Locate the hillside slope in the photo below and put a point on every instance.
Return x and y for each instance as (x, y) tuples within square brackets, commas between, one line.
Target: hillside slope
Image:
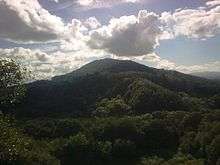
[(78, 92)]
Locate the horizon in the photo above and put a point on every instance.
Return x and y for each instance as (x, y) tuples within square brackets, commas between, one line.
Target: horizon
[(205, 75), (55, 37)]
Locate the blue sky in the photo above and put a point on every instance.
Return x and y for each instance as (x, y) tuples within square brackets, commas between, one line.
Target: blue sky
[(189, 52), (54, 37)]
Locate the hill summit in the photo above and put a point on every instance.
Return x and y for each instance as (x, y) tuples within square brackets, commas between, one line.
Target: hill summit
[(106, 65)]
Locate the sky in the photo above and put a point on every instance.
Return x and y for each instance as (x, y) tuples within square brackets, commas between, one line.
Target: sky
[(54, 37)]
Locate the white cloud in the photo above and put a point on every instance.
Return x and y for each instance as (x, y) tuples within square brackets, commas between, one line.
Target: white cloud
[(198, 23), (152, 58), (43, 65), (27, 21), (103, 3), (212, 3), (160, 63), (85, 2), (76, 35), (46, 65), (128, 35), (92, 23), (210, 66), (156, 61), (140, 35), (57, 1)]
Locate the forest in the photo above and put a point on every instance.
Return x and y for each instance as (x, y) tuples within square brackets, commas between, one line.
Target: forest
[(109, 112)]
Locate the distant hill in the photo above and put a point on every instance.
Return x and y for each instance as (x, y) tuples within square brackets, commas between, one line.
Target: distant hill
[(208, 75), (77, 92)]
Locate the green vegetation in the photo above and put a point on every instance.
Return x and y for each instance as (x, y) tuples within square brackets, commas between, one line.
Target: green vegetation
[(11, 83), (112, 107), (157, 138), (142, 88), (126, 114)]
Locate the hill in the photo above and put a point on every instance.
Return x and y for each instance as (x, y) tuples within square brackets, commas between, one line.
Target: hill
[(114, 112), (208, 75), (78, 92)]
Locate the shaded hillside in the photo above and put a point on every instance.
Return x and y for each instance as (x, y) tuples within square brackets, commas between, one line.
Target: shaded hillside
[(78, 92), (172, 80)]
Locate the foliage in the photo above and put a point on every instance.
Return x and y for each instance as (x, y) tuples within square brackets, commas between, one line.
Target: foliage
[(214, 101), (176, 160), (112, 107), (160, 138), (17, 148), (52, 128), (145, 96), (11, 83)]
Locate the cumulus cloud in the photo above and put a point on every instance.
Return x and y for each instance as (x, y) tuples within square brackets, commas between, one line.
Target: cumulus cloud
[(27, 21), (92, 23), (76, 34), (198, 23), (156, 61), (139, 35), (152, 58), (43, 65), (213, 3), (128, 35)]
